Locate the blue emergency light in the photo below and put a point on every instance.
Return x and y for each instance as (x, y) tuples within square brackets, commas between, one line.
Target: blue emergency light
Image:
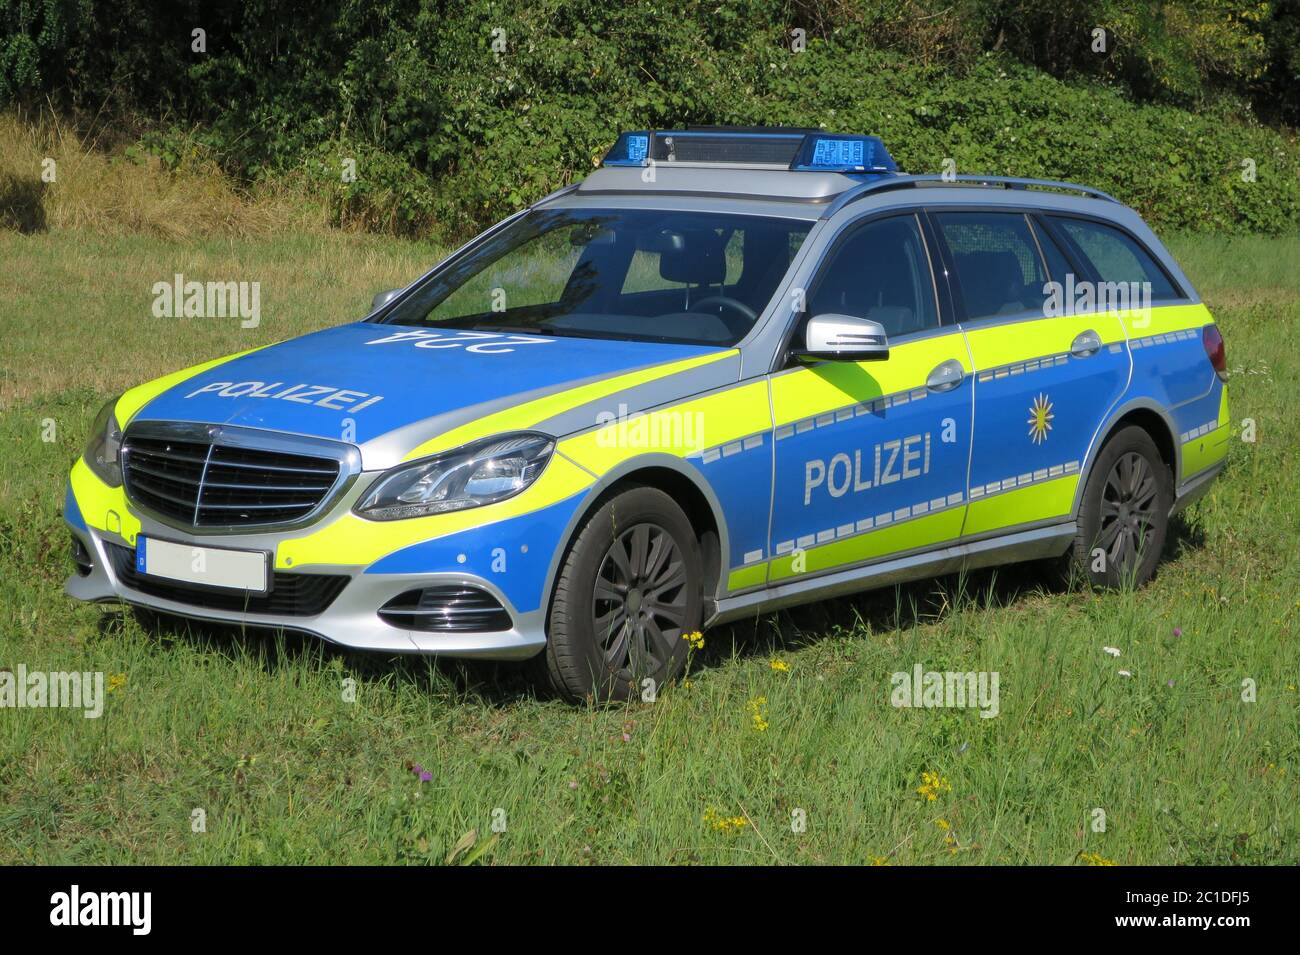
[(800, 150)]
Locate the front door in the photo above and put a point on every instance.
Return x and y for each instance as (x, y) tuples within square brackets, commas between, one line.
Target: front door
[(871, 457)]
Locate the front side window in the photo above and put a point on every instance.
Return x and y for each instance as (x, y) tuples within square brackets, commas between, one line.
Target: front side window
[(633, 274), (880, 271), (996, 260)]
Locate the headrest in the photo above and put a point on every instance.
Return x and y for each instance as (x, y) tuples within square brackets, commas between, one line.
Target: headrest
[(693, 256), (991, 282)]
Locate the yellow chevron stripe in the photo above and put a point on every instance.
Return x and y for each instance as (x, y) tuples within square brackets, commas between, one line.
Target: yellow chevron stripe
[(744, 577), (891, 539), (995, 345), (1205, 451), (136, 398), (679, 430), (1167, 318), (530, 413), (354, 540), (811, 391), (102, 507), (1036, 502)]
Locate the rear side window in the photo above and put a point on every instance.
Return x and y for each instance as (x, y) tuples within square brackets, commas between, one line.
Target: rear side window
[(997, 262), (1116, 256)]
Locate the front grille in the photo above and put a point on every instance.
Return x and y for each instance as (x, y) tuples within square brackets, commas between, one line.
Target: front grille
[(216, 485), (446, 609), (291, 595)]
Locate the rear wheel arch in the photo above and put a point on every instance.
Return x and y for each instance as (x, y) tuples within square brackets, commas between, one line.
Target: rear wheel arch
[(1150, 419), (1158, 428)]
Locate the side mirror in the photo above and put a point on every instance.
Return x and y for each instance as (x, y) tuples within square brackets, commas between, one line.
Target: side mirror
[(832, 337), (383, 298)]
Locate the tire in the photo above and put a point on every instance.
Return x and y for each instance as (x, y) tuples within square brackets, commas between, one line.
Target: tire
[(605, 583), (1124, 512)]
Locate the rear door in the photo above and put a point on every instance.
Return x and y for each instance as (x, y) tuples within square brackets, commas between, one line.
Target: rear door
[(1046, 374), (1165, 331), (871, 457)]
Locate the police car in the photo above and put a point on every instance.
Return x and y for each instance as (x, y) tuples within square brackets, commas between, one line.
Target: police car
[(730, 371)]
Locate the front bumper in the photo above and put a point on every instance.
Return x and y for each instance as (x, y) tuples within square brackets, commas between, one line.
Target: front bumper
[(509, 550), (351, 619)]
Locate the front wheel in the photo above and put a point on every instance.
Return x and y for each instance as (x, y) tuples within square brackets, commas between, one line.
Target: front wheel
[(1124, 515), (630, 588)]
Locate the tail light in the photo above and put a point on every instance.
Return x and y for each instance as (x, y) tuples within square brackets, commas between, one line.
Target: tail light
[(1213, 343)]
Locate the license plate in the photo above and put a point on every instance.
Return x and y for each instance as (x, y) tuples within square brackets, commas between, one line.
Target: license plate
[(206, 566)]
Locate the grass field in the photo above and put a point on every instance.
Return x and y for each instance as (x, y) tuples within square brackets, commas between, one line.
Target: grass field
[(254, 731)]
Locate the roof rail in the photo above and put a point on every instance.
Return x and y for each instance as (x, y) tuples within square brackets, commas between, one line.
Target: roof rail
[(886, 183)]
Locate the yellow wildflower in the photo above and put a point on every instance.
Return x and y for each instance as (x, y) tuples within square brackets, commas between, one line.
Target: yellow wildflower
[(695, 639), (932, 784), (721, 823)]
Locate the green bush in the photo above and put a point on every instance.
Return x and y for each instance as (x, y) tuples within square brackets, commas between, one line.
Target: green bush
[(449, 132), (372, 190)]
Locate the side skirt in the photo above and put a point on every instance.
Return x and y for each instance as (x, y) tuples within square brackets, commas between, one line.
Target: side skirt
[(1041, 542), (1195, 487)]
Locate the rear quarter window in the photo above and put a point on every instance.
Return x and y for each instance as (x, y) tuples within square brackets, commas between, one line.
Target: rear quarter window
[(1117, 256)]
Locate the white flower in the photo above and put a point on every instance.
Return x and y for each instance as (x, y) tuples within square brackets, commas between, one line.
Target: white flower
[(1113, 651), (1125, 673)]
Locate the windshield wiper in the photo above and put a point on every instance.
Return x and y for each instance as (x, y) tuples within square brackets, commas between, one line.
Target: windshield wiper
[(530, 330)]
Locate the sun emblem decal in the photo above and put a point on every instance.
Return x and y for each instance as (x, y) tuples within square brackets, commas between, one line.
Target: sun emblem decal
[(1040, 419)]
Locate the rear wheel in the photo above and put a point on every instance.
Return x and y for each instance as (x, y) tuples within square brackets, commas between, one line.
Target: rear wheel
[(630, 587), (1124, 515)]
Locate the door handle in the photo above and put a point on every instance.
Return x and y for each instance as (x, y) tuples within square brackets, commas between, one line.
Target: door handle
[(1085, 344), (946, 376)]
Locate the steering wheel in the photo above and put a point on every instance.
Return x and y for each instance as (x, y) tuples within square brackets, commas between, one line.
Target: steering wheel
[(735, 305)]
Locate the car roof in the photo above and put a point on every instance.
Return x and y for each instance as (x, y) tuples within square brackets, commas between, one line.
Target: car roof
[(811, 196)]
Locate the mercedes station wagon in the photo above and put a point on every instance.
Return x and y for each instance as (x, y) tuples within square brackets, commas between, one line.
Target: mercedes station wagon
[(731, 371)]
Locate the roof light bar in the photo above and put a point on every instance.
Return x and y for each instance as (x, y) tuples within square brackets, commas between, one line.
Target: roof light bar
[(795, 149)]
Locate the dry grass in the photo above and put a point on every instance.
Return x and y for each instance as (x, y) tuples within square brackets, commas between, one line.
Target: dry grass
[(76, 291), (119, 191)]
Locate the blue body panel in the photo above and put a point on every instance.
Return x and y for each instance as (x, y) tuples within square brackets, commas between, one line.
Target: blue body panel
[(1079, 393), (315, 384), (1199, 411), (72, 510), (742, 482), (514, 554), (1172, 368), (884, 460)]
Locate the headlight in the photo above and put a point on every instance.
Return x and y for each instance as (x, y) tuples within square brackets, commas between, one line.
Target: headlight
[(481, 473), (102, 450)]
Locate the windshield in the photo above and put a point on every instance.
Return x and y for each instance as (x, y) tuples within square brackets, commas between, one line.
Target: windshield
[(633, 274)]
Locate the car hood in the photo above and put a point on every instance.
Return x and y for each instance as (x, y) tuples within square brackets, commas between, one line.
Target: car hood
[(361, 381)]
